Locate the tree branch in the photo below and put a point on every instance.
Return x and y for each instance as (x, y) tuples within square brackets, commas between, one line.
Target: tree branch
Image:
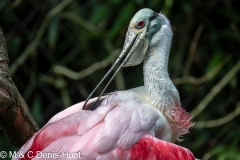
[(77, 19), (16, 121), (192, 49), (32, 46), (220, 121), (212, 73), (215, 90), (79, 75)]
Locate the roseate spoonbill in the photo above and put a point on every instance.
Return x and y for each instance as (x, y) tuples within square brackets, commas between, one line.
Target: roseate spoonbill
[(139, 123)]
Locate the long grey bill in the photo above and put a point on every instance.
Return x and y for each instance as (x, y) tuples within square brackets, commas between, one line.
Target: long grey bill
[(122, 64), (130, 36)]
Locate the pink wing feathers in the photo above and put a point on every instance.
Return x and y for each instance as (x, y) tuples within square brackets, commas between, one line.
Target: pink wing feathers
[(151, 148), (115, 130)]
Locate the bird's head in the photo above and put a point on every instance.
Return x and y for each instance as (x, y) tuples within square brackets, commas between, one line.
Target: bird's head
[(145, 23), (139, 38), (142, 27)]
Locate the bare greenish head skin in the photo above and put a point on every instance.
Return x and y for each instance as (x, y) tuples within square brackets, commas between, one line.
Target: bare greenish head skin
[(143, 26), (151, 22), (143, 14)]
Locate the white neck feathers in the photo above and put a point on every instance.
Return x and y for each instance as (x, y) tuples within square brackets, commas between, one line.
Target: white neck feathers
[(160, 90)]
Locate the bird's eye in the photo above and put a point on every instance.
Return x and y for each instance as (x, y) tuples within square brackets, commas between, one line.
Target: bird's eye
[(140, 23)]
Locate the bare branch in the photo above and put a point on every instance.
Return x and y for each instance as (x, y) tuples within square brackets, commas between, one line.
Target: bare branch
[(204, 78), (120, 83), (16, 121), (79, 75), (80, 21), (60, 84), (32, 46), (215, 90), (220, 121), (192, 49)]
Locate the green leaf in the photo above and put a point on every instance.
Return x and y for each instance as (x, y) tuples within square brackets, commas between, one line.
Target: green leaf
[(36, 108), (14, 45), (53, 32), (101, 13), (123, 17), (167, 7), (215, 59), (233, 82)]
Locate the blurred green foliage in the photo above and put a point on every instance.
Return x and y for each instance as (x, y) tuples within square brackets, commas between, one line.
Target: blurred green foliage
[(84, 32)]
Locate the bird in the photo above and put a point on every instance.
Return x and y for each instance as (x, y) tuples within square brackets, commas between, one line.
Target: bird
[(136, 124)]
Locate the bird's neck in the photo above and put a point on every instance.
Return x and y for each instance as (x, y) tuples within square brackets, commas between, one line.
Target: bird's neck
[(160, 90)]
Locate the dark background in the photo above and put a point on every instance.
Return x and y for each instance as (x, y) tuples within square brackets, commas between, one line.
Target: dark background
[(43, 36)]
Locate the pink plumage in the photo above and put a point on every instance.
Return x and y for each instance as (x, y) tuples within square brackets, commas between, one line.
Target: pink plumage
[(151, 148), (141, 123), (117, 129)]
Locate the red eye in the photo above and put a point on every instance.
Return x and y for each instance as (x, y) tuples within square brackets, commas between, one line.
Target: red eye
[(140, 23)]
